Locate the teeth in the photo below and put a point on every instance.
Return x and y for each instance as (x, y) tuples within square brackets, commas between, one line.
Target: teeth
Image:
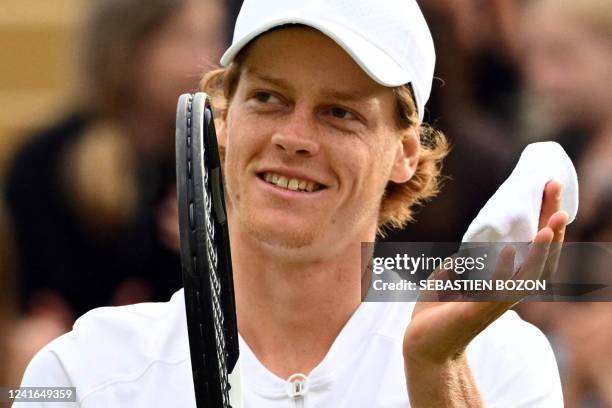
[(290, 184), (293, 184), (282, 182)]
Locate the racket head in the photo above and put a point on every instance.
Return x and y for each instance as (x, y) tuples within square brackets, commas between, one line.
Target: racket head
[(205, 252)]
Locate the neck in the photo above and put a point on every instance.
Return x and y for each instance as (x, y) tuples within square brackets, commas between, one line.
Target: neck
[(290, 312)]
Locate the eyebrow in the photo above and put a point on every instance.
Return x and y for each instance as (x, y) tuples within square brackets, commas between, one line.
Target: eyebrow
[(262, 77), (352, 95), (342, 95)]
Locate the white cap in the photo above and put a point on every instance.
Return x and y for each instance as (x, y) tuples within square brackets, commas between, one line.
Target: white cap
[(389, 39)]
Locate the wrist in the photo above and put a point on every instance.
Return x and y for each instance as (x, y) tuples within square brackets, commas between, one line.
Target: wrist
[(434, 356), (446, 383), (428, 366)]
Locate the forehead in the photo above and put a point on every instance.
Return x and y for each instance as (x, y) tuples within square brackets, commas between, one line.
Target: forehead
[(301, 55)]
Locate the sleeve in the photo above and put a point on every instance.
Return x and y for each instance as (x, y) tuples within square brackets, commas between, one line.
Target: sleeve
[(46, 370), (515, 366)]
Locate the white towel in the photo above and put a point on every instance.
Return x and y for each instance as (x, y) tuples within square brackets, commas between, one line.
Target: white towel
[(512, 214)]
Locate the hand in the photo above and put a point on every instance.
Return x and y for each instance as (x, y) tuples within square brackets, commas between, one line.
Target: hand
[(439, 332)]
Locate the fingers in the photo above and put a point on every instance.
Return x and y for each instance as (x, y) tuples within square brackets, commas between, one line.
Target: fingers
[(541, 261), (505, 265), (551, 202), (555, 220), (533, 266), (504, 271), (478, 315), (531, 269), (557, 224)]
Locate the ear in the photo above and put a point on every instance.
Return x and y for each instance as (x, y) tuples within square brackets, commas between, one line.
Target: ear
[(406, 158)]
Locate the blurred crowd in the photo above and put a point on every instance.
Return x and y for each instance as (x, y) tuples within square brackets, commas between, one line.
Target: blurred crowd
[(88, 214)]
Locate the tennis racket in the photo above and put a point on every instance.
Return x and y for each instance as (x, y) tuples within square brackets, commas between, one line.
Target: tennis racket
[(205, 256)]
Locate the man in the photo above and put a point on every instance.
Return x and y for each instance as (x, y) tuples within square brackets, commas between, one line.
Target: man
[(319, 114)]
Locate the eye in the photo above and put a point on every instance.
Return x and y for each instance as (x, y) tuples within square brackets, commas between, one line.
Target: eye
[(265, 97), (341, 113)]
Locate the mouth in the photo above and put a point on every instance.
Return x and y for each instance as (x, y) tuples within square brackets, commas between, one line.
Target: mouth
[(292, 184)]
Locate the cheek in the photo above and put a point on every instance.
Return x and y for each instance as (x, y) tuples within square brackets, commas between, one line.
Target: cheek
[(368, 168), (243, 140)]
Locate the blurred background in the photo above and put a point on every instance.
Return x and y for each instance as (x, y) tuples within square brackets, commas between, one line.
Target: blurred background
[(88, 90)]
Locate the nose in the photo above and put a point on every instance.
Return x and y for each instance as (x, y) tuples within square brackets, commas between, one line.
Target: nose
[(297, 137)]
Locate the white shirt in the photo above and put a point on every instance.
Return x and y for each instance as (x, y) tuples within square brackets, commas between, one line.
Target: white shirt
[(138, 356)]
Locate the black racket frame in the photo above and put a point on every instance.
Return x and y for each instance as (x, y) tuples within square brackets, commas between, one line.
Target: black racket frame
[(204, 235)]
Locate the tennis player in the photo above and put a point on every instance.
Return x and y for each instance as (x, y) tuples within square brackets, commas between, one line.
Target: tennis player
[(320, 109)]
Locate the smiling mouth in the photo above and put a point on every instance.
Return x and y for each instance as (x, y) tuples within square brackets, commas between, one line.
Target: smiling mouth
[(293, 184)]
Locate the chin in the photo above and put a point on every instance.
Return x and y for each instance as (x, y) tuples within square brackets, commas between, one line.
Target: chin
[(281, 235), (278, 228)]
